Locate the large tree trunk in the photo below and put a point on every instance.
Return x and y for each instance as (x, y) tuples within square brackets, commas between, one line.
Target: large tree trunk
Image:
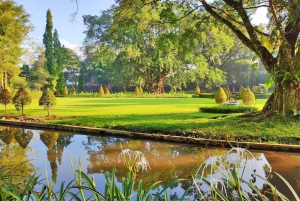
[(286, 95)]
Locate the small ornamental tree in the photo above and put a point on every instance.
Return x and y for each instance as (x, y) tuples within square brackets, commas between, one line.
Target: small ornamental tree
[(241, 91), (227, 91), (137, 91), (5, 98), (248, 97), (221, 96), (21, 99), (141, 89), (101, 91), (66, 91), (106, 91), (47, 100), (73, 90), (197, 90)]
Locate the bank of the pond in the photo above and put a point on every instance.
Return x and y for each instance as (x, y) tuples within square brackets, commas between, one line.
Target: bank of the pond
[(155, 136)]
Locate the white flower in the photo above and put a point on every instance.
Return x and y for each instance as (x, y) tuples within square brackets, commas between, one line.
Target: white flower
[(233, 158)]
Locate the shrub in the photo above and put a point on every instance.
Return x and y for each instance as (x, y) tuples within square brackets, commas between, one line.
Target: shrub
[(197, 90), (21, 99), (101, 91), (207, 95), (262, 96), (257, 89), (5, 98), (47, 100), (241, 91), (227, 109), (66, 91), (227, 91), (73, 90), (106, 90), (141, 90), (221, 96), (248, 97), (137, 91)]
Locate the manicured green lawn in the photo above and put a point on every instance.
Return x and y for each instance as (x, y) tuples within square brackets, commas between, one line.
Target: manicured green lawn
[(163, 115)]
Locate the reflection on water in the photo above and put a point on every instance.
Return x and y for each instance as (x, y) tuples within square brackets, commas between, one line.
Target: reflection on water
[(168, 161)]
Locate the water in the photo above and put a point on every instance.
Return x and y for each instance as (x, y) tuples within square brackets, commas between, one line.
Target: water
[(51, 151)]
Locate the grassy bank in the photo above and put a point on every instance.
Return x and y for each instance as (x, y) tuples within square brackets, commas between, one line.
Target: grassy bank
[(178, 116)]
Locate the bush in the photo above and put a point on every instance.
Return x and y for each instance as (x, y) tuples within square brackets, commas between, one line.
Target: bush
[(73, 90), (197, 90), (141, 90), (206, 95), (228, 109), (241, 91), (21, 99), (221, 96), (137, 91), (262, 96), (101, 91), (106, 91), (66, 91), (227, 91), (248, 97)]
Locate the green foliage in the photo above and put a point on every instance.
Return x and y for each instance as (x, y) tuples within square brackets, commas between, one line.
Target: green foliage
[(101, 91), (248, 97), (242, 90), (227, 91), (197, 90), (207, 95), (66, 91), (60, 85), (257, 89), (14, 28), (73, 90), (228, 109), (81, 80), (47, 100), (141, 90), (5, 98), (21, 98), (220, 96), (137, 91), (106, 91)]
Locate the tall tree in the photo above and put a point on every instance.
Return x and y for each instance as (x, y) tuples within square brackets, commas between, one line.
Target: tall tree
[(275, 44), (157, 52), (58, 52), (81, 78), (14, 27), (48, 43)]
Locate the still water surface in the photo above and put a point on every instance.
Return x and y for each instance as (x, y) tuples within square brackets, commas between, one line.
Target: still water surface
[(168, 161)]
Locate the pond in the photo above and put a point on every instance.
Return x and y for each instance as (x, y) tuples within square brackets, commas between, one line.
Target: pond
[(53, 151)]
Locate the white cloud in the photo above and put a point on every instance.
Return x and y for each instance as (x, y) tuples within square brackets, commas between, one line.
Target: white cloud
[(72, 46), (260, 17)]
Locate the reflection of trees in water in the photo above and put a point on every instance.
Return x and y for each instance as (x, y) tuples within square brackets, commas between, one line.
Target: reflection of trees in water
[(167, 161), (55, 143), (13, 153), (23, 137), (7, 134)]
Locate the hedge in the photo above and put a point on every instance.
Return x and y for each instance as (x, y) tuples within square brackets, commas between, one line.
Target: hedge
[(228, 109)]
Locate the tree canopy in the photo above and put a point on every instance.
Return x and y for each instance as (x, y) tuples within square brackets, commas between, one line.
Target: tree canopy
[(276, 44), (14, 27)]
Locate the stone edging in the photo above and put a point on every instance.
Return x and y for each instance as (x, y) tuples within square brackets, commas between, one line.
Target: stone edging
[(163, 137)]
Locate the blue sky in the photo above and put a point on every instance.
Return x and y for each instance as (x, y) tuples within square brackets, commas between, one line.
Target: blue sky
[(70, 33)]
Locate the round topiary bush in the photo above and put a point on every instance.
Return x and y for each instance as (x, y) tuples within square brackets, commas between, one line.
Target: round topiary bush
[(221, 96), (197, 90), (248, 97)]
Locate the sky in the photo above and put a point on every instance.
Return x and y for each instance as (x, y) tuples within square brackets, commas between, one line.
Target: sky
[(70, 33)]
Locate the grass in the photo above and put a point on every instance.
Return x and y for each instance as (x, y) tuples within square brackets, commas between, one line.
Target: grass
[(166, 115)]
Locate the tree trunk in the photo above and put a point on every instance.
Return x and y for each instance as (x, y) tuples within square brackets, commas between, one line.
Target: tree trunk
[(286, 95)]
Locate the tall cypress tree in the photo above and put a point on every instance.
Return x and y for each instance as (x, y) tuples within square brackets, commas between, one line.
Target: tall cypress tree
[(58, 58), (48, 43)]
